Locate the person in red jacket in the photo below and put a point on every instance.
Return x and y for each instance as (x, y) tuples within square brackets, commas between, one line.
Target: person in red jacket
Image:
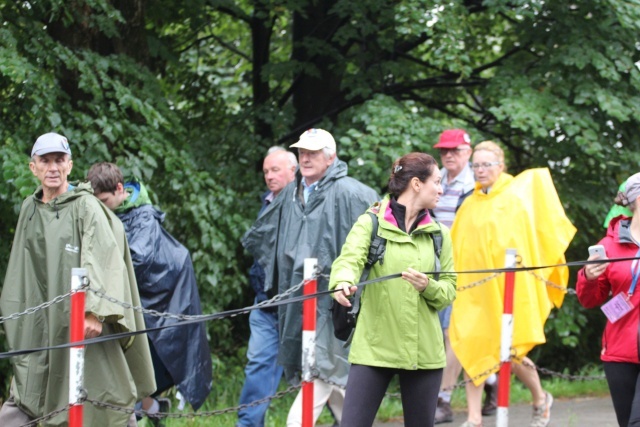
[(616, 282)]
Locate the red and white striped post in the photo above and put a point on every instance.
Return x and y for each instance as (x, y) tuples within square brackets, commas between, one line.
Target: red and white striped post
[(76, 353), (506, 338), (308, 340)]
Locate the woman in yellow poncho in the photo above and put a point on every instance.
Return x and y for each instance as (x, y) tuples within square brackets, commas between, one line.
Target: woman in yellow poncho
[(504, 212)]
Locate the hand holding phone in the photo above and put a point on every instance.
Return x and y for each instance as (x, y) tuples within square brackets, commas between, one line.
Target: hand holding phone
[(593, 271)]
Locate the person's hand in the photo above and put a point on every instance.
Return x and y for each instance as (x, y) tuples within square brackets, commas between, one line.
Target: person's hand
[(92, 326), (420, 281), (342, 295), (593, 271)]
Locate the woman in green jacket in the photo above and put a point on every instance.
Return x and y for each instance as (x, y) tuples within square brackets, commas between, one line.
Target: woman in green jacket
[(398, 331)]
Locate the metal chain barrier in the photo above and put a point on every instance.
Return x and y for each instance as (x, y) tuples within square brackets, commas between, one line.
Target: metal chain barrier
[(478, 282), (166, 315), (569, 291), (551, 373), (46, 304), (159, 415), (35, 422)]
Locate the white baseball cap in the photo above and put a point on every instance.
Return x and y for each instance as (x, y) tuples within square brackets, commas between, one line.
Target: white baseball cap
[(314, 140), (50, 143)]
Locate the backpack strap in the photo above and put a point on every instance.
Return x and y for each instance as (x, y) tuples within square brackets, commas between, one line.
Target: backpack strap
[(436, 237), (377, 248)]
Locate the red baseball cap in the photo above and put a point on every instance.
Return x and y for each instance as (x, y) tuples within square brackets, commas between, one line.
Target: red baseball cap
[(452, 138)]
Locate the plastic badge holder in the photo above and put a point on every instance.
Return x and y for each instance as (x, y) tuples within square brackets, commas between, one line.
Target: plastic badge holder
[(617, 307)]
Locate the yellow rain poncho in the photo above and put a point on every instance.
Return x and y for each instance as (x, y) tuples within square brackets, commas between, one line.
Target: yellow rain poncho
[(523, 213)]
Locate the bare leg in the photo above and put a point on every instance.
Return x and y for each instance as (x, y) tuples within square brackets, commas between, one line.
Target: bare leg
[(474, 401), (527, 373)]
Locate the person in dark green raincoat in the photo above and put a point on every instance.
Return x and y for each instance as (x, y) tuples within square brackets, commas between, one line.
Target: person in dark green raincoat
[(310, 218), (60, 227)]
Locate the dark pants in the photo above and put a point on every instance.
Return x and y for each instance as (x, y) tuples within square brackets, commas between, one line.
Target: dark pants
[(367, 385), (624, 384)]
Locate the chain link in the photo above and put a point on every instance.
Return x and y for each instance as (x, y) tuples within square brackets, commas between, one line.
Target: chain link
[(35, 422), (166, 315), (478, 282), (159, 415), (547, 282), (560, 374), (550, 284), (47, 304)]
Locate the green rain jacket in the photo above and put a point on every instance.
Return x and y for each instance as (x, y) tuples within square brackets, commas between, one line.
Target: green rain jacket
[(288, 232), (73, 230), (397, 327)]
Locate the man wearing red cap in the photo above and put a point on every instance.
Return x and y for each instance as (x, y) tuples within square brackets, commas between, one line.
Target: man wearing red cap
[(457, 176)]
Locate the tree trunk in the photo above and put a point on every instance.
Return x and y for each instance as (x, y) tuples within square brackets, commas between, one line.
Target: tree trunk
[(261, 29), (315, 95)]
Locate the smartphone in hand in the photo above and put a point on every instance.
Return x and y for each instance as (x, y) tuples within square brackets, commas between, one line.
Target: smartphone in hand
[(597, 250)]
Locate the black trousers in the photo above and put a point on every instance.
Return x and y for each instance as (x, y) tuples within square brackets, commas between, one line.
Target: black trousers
[(367, 385), (624, 384)]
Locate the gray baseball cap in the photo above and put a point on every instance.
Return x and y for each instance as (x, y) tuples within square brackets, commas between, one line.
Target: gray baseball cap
[(632, 188), (50, 143)]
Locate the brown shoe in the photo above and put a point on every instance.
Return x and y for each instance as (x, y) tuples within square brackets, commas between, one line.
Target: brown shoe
[(490, 399), (444, 414)]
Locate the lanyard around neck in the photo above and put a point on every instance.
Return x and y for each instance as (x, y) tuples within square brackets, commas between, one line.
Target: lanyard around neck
[(635, 274)]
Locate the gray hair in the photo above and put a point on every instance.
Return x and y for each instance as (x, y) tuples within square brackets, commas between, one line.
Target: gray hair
[(293, 161), (328, 152)]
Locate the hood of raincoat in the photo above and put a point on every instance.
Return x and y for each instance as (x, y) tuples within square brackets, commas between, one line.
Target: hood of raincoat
[(290, 231), (523, 213), (137, 196), (167, 283), (74, 230)]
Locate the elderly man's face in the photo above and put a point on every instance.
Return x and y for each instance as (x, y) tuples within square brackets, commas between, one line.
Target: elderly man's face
[(313, 164), (278, 171), (52, 170)]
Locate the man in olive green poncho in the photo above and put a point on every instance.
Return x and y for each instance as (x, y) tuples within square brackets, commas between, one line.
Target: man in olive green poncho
[(62, 226)]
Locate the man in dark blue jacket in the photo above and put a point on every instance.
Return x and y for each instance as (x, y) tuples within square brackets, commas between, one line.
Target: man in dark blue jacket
[(262, 373)]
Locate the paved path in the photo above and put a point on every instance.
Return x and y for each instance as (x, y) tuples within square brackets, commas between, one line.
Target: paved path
[(578, 412)]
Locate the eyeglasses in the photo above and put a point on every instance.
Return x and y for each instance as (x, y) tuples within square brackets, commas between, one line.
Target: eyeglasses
[(454, 151), (485, 165)]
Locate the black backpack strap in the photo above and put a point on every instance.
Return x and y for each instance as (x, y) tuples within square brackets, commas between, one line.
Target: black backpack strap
[(436, 237), (377, 247)]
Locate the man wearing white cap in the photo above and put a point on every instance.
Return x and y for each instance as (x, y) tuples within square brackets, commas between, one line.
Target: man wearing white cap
[(60, 227), (310, 219)]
